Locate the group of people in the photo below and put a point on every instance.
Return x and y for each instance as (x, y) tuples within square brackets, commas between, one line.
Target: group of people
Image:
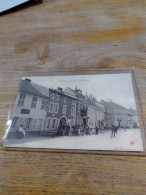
[(64, 129), (80, 130), (76, 130)]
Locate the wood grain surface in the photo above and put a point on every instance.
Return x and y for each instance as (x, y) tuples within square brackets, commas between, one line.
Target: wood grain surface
[(76, 34)]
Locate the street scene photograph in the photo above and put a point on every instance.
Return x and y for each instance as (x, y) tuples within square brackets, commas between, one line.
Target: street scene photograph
[(78, 112)]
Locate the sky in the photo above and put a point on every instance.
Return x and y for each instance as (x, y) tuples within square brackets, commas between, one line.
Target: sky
[(115, 87)]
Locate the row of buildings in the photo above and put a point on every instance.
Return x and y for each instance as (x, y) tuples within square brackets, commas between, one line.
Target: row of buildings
[(41, 109)]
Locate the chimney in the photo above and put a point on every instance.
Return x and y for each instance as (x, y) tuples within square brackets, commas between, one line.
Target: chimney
[(28, 80)]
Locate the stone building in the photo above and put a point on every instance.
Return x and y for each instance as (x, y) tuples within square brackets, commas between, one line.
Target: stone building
[(29, 109), (41, 109), (115, 113), (108, 114), (62, 110), (135, 118), (95, 114), (88, 110), (81, 105)]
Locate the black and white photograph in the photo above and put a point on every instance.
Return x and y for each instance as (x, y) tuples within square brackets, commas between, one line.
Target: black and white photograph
[(77, 112)]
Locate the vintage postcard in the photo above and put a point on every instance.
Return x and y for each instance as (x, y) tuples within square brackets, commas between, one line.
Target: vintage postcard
[(77, 112)]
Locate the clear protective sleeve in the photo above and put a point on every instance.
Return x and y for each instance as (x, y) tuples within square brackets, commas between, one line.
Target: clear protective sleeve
[(81, 111)]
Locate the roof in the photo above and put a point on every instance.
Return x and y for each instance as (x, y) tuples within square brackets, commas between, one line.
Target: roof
[(134, 112), (82, 97), (129, 113), (90, 102), (113, 105), (69, 91), (62, 93), (74, 93), (27, 86), (31, 88), (117, 106)]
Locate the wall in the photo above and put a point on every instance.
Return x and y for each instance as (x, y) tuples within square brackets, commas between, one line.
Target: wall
[(34, 113)]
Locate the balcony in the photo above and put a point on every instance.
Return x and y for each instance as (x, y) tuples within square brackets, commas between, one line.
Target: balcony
[(84, 112)]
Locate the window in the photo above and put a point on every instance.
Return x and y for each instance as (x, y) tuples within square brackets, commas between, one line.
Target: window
[(34, 123), (73, 102), (56, 124), (47, 105), (53, 123), (65, 100), (48, 123), (81, 105), (21, 121), (56, 108), (34, 101), (64, 109), (78, 106), (72, 111), (14, 122), (43, 104), (40, 123), (57, 97), (21, 99), (28, 122), (51, 108), (53, 95)]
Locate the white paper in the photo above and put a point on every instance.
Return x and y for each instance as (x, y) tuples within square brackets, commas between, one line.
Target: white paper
[(8, 4)]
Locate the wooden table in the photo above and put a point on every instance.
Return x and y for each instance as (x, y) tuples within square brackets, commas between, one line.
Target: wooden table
[(79, 34)]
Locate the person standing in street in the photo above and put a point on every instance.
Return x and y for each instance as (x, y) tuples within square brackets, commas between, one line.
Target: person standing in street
[(74, 129), (114, 129), (87, 130), (21, 132), (67, 129), (96, 130)]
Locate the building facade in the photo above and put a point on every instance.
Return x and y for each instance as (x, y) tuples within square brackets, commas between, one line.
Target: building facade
[(88, 110), (95, 114), (115, 113), (28, 110), (81, 106), (40, 109), (62, 110), (135, 119), (108, 114)]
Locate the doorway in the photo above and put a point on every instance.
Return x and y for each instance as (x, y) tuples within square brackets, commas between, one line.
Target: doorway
[(62, 123)]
